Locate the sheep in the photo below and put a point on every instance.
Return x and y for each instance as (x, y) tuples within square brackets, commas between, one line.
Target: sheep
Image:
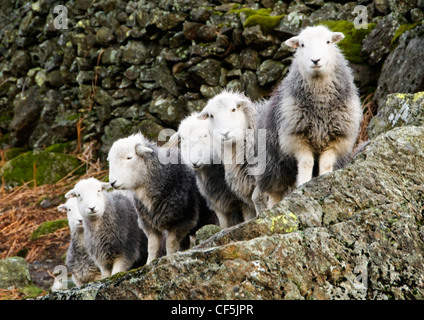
[(231, 118), (166, 193), (78, 261), (114, 240), (198, 154), (313, 116)]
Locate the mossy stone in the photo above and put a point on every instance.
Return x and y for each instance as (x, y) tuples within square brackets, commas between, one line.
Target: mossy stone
[(206, 232), (259, 17), (352, 43), (402, 29), (14, 272), (48, 227), (50, 167)]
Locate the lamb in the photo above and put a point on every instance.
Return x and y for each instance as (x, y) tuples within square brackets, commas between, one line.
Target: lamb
[(232, 117), (166, 194), (78, 261), (198, 154), (313, 116), (113, 238)]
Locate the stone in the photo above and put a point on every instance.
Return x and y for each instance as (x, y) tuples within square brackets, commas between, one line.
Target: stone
[(167, 109), (14, 271), (208, 72), (250, 85), (55, 78), (27, 110), (400, 110), (134, 52), (104, 36), (270, 71), (403, 70), (349, 234), (249, 59), (206, 232), (378, 43), (253, 36)]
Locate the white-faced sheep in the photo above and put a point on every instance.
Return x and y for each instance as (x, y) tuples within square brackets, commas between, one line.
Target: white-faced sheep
[(232, 120), (313, 116), (198, 154), (167, 195), (78, 261), (111, 232)]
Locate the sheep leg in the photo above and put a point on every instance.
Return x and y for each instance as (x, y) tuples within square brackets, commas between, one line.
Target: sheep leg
[(258, 200), (305, 166), (223, 219), (120, 264), (248, 212), (153, 244), (105, 271), (326, 161), (172, 242), (274, 198)]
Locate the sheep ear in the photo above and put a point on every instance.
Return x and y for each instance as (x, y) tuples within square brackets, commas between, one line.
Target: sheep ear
[(70, 194), (337, 37), (106, 186), (142, 150), (293, 42), (242, 103), (62, 208), (203, 116)]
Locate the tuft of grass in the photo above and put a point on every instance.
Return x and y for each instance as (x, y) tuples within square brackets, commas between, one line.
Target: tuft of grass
[(48, 227)]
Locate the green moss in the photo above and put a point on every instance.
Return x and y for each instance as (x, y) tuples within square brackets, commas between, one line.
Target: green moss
[(48, 227), (32, 292), (50, 167), (14, 152), (352, 43), (401, 30), (267, 23), (259, 17), (59, 147)]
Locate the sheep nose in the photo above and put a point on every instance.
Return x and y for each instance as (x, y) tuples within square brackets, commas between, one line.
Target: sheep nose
[(315, 62), (92, 208), (113, 184), (197, 164), (225, 134)]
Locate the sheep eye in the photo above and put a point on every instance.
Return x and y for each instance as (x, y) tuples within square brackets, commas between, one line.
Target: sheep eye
[(328, 42), (234, 110), (211, 116), (129, 158), (302, 45)]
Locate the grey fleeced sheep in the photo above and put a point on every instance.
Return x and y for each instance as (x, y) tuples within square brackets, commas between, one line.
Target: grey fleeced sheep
[(111, 232), (78, 261), (312, 116), (198, 154), (167, 196), (232, 120)]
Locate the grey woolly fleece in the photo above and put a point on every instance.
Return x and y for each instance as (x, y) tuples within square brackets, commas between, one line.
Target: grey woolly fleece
[(116, 233), (322, 113)]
